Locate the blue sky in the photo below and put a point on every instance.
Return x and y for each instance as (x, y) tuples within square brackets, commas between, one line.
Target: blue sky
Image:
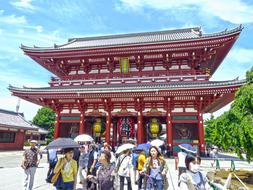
[(45, 22)]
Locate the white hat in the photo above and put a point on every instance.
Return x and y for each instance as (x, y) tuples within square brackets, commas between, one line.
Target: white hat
[(34, 141)]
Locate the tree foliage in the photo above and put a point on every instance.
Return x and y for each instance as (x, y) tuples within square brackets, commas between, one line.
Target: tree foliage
[(45, 118), (233, 130)]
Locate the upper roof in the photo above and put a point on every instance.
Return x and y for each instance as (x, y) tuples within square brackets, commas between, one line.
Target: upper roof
[(136, 38), (15, 120)]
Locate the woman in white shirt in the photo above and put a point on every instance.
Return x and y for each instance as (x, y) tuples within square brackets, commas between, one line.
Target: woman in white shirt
[(181, 162), (193, 179), (123, 166)]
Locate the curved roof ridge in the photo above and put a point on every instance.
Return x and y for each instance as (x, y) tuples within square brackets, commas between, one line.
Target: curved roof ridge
[(112, 36), (226, 31), (135, 38)]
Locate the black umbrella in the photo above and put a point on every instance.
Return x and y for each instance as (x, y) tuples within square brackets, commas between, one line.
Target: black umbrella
[(62, 143)]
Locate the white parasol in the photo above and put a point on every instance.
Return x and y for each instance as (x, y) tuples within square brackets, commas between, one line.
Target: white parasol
[(157, 142), (124, 147), (84, 138)]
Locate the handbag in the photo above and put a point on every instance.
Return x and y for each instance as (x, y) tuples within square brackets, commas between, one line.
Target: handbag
[(52, 178), (59, 182), (55, 177)]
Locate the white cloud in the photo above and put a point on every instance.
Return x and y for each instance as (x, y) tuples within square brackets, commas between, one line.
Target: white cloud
[(234, 11), (13, 19), (39, 28), (241, 55), (237, 62), (21, 31), (1, 31), (186, 25), (10, 102), (219, 112), (13, 77), (23, 4)]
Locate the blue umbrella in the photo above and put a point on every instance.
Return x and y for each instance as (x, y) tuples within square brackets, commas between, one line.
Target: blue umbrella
[(188, 148), (144, 147)]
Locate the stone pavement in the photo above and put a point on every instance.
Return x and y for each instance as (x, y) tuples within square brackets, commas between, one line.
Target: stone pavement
[(12, 175)]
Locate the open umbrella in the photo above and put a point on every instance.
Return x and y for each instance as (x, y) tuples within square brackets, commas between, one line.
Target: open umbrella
[(124, 147), (83, 138), (188, 148), (157, 142), (144, 147), (62, 143)]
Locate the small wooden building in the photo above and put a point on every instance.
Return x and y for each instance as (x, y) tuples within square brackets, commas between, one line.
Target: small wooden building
[(15, 129)]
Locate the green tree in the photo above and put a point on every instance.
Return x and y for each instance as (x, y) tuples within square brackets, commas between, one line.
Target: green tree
[(209, 130), (45, 118), (233, 130), (249, 76)]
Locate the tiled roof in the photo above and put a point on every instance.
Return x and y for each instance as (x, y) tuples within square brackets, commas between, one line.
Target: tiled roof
[(137, 38), (131, 87), (43, 131), (15, 120), (39, 130)]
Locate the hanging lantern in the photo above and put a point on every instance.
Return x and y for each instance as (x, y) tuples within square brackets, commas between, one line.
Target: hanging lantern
[(98, 127), (124, 64), (126, 127), (154, 128)]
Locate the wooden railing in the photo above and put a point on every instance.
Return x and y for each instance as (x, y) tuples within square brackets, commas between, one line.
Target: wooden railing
[(94, 76), (126, 79)]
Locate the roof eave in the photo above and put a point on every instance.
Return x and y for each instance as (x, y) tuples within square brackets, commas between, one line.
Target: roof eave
[(71, 91), (34, 49)]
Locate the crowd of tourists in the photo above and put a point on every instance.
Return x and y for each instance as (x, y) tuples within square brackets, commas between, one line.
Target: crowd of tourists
[(98, 167)]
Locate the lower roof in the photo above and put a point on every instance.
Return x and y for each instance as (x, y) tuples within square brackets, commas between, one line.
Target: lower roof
[(119, 88)]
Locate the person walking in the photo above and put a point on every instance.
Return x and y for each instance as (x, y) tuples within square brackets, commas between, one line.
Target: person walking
[(83, 162), (155, 169), (29, 163), (92, 160), (123, 166), (108, 148), (181, 161), (140, 165), (135, 156), (52, 160), (67, 166), (104, 177), (193, 179)]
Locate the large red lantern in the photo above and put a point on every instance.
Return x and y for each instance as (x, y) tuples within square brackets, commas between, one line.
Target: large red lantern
[(126, 127)]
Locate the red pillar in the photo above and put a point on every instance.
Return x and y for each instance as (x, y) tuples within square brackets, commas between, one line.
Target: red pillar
[(140, 128), (201, 133), (108, 127), (82, 124), (57, 125), (115, 132), (169, 132)]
